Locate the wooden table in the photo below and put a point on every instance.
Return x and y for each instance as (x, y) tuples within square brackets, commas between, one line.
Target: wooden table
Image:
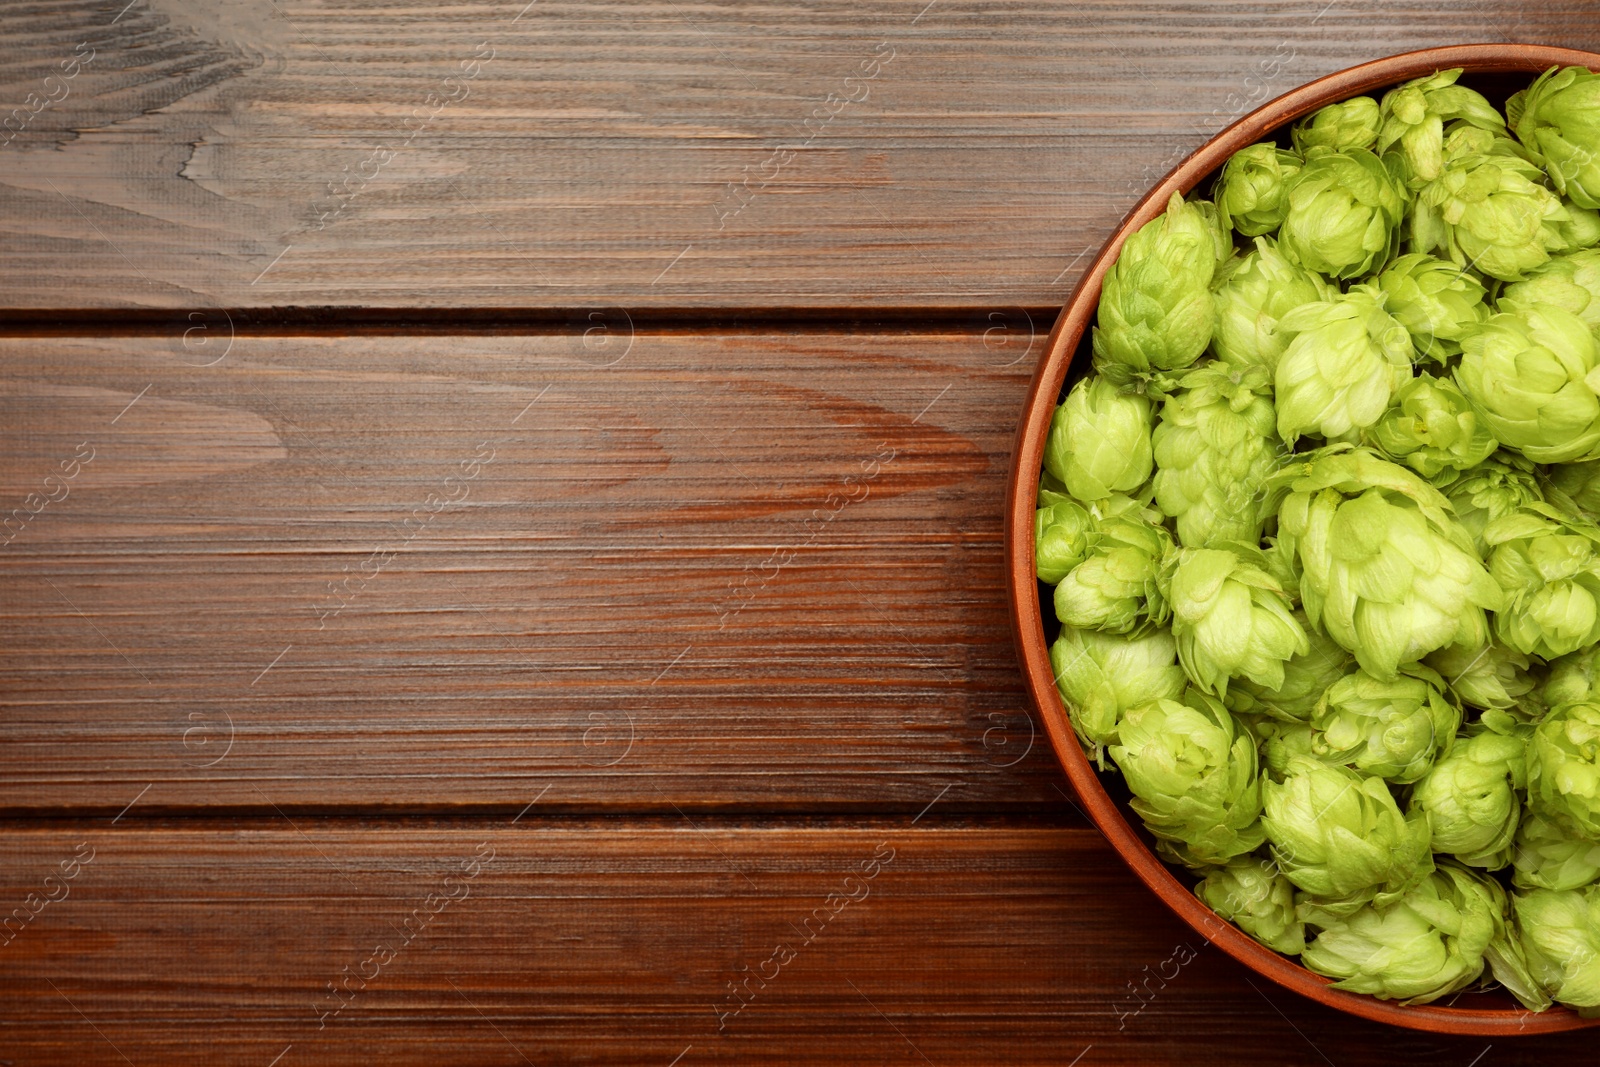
[(506, 564)]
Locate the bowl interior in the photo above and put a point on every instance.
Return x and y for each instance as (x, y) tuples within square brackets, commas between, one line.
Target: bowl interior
[(1496, 71)]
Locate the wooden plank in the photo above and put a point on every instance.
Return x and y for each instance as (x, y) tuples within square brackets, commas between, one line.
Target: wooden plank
[(421, 573), (909, 154), (572, 941)]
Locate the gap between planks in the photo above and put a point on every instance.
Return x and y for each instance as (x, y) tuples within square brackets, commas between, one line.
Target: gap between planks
[(233, 820), (299, 321)]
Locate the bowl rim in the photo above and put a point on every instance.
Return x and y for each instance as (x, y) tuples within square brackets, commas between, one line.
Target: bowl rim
[(1022, 588)]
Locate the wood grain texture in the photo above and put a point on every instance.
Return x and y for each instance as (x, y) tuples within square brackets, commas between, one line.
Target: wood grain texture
[(641, 154), (691, 628), (622, 572), (578, 942)]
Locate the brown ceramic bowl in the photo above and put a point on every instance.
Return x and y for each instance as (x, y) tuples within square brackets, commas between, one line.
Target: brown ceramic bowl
[(1494, 69)]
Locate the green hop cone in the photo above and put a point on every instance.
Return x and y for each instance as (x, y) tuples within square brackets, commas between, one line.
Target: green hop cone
[(1344, 215), (1061, 534), (1253, 292), (1215, 445), (1282, 563), (1564, 767), (1431, 428), (1549, 569), (1414, 116), (1511, 722), (1558, 119), (1549, 854), (1230, 618), (1487, 676), (1472, 801), (1281, 742), (1221, 233), (1489, 208), (1395, 729), (1507, 954), (1346, 125), (1428, 943), (1437, 302), (1193, 775), (1156, 309), (1099, 440), (1534, 374), (1306, 676), (1340, 836), (1576, 488), (1573, 679), (1561, 931), (1570, 282), (1580, 231), (1496, 487), (1386, 569), (1250, 893), (1345, 361), (1115, 588), (1100, 676), (1251, 194)]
